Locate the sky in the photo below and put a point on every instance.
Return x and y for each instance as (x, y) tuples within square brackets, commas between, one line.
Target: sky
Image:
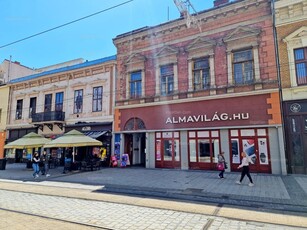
[(90, 38)]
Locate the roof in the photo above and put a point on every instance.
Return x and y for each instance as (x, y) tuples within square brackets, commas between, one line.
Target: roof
[(64, 69)]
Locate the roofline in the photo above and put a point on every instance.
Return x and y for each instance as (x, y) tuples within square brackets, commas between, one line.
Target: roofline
[(64, 69), (147, 28)]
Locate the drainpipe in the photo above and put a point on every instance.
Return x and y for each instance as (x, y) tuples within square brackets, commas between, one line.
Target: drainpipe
[(10, 93), (279, 84)]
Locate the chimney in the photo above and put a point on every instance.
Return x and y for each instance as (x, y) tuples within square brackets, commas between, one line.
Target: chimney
[(220, 2)]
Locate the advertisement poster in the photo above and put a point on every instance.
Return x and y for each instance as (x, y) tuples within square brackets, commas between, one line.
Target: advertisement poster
[(263, 151), (117, 146), (249, 148), (158, 150), (235, 151)]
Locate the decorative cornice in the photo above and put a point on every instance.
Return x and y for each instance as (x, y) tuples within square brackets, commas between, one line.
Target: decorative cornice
[(179, 25)]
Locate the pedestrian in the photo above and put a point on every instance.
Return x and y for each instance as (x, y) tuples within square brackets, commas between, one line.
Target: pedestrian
[(221, 165), (35, 166), (44, 164), (245, 171)]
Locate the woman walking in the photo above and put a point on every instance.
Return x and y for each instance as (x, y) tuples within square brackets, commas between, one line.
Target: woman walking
[(35, 166), (221, 164), (245, 165)]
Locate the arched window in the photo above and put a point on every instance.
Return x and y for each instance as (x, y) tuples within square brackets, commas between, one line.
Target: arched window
[(134, 124)]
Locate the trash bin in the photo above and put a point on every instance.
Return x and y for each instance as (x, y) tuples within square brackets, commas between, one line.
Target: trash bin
[(2, 164)]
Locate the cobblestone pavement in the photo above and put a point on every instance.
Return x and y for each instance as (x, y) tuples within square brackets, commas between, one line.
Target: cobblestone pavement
[(79, 208), (19, 221)]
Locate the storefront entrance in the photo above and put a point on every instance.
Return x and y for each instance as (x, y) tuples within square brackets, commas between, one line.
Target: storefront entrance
[(254, 142), (296, 135), (167, 150), (135, 146)]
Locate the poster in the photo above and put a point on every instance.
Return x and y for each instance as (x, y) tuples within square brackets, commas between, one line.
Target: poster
[(263, 151)]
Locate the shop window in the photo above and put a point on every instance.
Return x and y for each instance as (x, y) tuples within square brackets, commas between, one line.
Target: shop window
[(201, 74), (243, 67), (235, 150), (167, 79), (204, 147), (254, 142), (247, 132), (261, 132), (192, 146), (135, 84), (167, 146), (263, 151), (300, 57), (97, 99)]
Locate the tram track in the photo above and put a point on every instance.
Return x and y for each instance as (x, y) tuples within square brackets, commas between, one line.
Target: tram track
[(216, 210), (50, 221)]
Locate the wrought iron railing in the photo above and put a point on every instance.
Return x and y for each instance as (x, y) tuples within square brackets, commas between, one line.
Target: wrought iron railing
[(48, 116)]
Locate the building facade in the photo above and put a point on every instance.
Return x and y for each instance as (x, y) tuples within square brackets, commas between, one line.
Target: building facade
[(184, 92), (291, 30), (10, 70), (79, 96), (4, 95)]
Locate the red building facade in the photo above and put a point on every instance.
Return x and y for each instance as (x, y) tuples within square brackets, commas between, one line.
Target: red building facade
[(184, 93)]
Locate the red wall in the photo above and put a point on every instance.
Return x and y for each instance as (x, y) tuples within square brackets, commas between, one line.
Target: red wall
[(156, 117)]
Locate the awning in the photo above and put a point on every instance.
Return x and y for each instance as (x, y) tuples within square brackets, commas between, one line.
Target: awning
[(95, 134)]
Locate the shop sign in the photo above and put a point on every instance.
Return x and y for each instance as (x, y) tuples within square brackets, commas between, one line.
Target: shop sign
[(86, 128), (206, 118)]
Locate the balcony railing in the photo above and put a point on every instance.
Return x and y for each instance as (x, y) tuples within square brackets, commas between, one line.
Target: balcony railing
[(48, 116)]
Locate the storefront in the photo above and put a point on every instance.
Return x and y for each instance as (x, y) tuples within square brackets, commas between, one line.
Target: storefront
[(190, 135), (101, 131)]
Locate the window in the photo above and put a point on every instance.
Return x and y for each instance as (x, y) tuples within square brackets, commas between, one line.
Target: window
[(48, 102), (0, 115), (243, 67), (59, 101), (19, 109), (78, 101), (204, 146), (201, 74), (167, 79), (136, 84), (32, 109), (300, 56), (97, 99)]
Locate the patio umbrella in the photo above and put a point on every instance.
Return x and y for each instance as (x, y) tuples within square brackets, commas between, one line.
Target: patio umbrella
[(30, 140), (73, 139)]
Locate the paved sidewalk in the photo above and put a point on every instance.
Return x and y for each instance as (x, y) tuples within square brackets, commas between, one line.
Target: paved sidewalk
[(283, 193)]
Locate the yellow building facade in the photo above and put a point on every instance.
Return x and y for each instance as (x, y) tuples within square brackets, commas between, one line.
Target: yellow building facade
[(4, 106)]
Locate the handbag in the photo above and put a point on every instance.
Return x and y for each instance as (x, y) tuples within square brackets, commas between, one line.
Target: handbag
[(220, 166)]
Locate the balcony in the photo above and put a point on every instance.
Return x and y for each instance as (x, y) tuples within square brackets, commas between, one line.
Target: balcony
[(48, 117)]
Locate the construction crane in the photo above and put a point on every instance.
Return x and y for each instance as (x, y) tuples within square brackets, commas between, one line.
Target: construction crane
[(184, 7)]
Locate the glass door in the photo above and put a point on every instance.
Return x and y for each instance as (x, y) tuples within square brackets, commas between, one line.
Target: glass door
[(254, 142), (167, 150)]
